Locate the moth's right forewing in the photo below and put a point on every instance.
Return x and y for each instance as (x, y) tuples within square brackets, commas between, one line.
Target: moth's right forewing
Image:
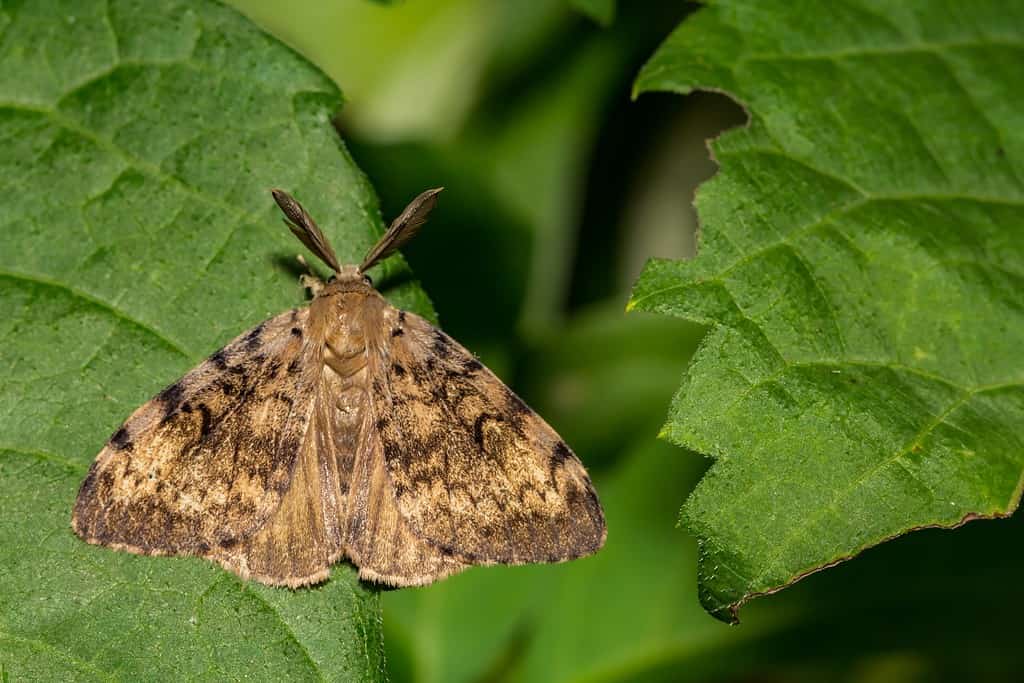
[(208, 460), (475, 471)]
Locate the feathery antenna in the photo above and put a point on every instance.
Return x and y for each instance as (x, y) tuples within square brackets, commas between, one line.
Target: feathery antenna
[(305, 228), (403, 228)]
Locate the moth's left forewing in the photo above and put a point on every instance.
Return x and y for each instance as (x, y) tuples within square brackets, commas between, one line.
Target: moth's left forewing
[(475, 470), (206, 462)]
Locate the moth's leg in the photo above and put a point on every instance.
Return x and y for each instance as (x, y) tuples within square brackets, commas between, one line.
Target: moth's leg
[(313, 284), (308, 279)]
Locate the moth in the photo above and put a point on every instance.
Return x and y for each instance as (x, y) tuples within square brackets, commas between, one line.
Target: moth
[(347, 429)]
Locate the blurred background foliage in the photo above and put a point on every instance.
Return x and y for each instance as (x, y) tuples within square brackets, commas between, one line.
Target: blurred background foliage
[(559, 186)]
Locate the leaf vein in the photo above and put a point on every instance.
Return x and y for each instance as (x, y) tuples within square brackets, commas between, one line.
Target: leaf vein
[(99, 303), (45, 457), (892, 50), (60, 651), (286, 628)]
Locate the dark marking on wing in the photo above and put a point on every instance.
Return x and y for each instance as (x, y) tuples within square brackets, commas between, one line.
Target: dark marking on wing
[(170, 398), (442, 345), (252, 339), (284, 398), (478, 427), (226, 386), (560, 454), (121, 440), (219, 359), (272, 366), (399, 330), (205, 423)]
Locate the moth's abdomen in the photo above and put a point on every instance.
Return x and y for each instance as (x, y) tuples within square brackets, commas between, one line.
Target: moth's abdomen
[(345, 378)]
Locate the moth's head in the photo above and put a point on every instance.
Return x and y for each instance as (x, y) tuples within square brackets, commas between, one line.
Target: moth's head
[(350, 273), (349, 278)]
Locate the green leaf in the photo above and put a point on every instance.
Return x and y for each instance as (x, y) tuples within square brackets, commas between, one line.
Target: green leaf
[(861, 264), (136, 236)]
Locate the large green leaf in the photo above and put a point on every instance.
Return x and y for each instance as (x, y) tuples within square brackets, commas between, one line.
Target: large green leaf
[(861, 264), (136, 236)]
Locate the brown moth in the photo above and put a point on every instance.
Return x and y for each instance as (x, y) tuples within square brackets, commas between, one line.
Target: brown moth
[(345, 429)]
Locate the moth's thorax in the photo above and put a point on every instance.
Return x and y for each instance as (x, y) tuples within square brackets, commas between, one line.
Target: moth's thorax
[(344, 315)]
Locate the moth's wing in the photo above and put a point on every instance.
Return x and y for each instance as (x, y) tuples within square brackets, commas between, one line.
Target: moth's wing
[(378, 539), (208, 460), (474, 470), (339, 503), (302, 538)]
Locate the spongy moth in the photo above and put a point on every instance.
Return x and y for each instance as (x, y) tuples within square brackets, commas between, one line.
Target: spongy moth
[(345, 429)]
